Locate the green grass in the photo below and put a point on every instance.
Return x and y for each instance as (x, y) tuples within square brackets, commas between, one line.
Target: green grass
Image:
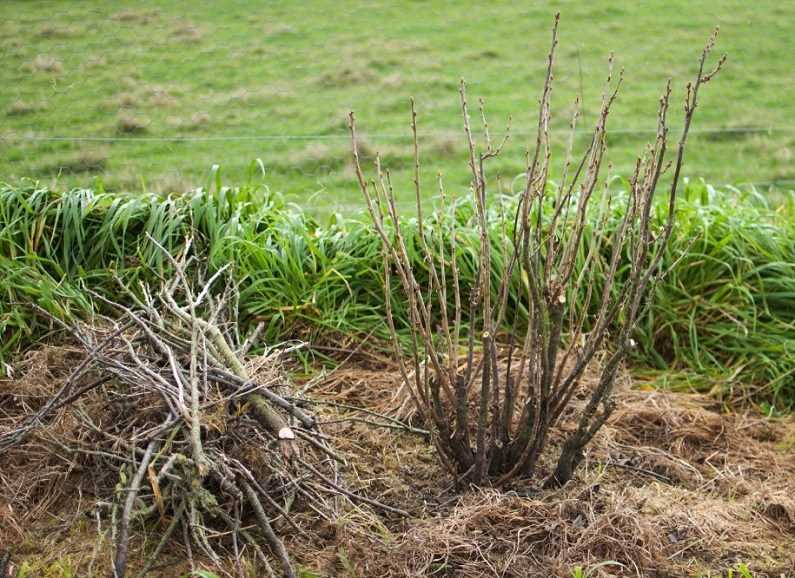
[(723, 318), (727, 306), (149, 69)]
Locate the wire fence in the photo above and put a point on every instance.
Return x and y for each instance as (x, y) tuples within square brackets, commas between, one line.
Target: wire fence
[(376, 136), (784, 183)]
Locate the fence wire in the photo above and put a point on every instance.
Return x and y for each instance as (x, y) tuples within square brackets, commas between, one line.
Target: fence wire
[(345, 136)]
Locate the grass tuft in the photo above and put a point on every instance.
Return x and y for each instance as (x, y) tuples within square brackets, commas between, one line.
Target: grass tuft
[(723, 319), (128, 124), (84, 161), (46, 63), (22, 107)]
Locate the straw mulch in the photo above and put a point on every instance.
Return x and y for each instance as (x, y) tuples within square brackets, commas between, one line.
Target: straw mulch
[(673, 486)]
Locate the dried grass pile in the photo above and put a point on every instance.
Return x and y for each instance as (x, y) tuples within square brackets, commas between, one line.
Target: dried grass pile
[(672, 486)]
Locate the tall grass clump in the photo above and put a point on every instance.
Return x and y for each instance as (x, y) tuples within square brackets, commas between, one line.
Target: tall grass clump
[(293, 274), (726, 313), (341, 266), (723, 317)]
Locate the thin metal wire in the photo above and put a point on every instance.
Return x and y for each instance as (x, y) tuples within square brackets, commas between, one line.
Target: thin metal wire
[(319, 137)]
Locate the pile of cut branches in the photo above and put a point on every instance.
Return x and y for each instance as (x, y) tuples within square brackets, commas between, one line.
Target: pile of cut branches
[(174, 429)]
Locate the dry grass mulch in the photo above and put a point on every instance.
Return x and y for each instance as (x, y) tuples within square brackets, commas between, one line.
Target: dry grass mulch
[(673, 486)]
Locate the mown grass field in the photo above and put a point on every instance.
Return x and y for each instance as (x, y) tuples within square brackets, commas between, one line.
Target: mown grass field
[(135, 73)]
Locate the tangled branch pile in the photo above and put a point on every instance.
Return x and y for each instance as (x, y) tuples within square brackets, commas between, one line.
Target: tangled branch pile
[(544, 248), (173, 427)]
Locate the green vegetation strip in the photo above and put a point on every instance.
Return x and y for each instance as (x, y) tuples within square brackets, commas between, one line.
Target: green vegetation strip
[(723, 317)]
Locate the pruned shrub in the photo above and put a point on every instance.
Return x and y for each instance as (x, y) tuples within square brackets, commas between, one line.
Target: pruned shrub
[(493, 402)]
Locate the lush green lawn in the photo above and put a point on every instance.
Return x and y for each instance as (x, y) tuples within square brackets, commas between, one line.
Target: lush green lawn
[(150, 70)]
